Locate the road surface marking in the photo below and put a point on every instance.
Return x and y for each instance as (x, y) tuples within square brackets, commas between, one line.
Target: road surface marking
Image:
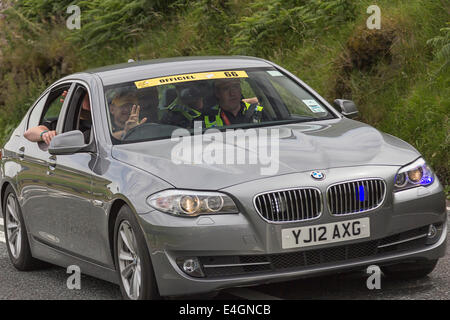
[(1, 221), (249, 294)]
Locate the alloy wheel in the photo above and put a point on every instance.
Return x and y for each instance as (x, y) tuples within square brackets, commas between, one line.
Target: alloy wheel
[(129, 261), (13, 226)]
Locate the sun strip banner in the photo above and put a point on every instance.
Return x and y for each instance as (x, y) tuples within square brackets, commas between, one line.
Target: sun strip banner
[(190, 77)]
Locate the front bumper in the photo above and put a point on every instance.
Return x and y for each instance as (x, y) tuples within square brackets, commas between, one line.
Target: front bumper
[(398, 227)]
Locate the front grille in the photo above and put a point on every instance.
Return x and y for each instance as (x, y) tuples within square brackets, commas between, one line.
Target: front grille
[(355, 196), (222, 266), (289, 205)]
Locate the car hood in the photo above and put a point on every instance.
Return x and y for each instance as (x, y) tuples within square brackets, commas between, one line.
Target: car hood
[(317, 145)]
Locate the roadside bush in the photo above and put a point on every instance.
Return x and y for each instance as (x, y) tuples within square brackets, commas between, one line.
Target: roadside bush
[(110, 24), (276, 24), (43, 11), (422, 119), (441, 44), (364, 51), (18, 95)]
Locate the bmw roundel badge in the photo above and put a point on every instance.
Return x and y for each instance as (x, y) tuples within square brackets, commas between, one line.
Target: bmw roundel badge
[(317, 175)]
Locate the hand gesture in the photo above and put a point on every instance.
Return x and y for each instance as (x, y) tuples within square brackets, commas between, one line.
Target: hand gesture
[(133, 120)]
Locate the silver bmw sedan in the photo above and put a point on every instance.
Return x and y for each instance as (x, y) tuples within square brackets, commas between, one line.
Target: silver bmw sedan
[(183, 176)]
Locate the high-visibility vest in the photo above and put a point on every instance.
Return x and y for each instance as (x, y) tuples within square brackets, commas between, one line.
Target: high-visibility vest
[(189, 113), (216, 119), (176, 106)]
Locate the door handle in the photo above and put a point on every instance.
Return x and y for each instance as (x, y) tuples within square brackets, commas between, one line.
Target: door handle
[(21, 153)]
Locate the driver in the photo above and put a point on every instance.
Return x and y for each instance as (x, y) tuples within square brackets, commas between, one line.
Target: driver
[(124, 111), (232, 109)]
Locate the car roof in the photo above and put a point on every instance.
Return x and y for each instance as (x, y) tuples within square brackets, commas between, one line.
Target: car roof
[(141, 70)]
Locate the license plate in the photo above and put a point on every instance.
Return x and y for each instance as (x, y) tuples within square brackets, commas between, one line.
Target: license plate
[(325, 233)]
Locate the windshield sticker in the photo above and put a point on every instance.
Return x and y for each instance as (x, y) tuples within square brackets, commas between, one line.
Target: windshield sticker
[(275, 73), (313, 106), (190, 77)]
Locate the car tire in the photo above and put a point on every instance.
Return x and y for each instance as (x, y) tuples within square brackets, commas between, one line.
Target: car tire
[(133, 265), (412, 270), (16, 235)]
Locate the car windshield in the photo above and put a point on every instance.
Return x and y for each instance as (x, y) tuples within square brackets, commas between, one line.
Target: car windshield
[(149, 109)]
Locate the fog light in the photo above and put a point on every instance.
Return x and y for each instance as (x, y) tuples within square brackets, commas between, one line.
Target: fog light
[(190, 266), (432, 231)]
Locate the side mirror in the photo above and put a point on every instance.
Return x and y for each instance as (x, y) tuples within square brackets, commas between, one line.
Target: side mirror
[(346, 107), (67, 143)]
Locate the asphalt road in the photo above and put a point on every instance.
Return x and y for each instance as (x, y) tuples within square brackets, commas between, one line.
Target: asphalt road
[(50, 284)]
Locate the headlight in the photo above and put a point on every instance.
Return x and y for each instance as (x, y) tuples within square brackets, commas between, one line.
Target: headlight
[(413, 175), (186, 203)]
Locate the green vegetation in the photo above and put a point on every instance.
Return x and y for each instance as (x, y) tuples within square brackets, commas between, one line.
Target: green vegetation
[(398, 75)]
